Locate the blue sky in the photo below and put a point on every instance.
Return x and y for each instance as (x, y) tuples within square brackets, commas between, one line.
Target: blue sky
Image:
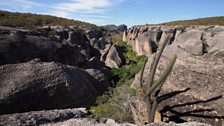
[(130, 12)]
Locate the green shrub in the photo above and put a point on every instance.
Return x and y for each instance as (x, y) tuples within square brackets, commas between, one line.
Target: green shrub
[(117, 105)]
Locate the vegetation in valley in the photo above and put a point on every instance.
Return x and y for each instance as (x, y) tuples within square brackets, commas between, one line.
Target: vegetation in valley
[(115, 103), (29, 20)]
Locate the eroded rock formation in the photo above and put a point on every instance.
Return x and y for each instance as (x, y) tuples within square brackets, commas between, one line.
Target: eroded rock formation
[(195, 40), (47, 85), (199, 69), (51, 67)]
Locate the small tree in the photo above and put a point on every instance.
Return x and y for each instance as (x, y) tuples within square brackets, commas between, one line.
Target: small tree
[(153, 87)]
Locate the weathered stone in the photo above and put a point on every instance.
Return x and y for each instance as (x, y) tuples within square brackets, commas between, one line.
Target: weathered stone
[(93, 34), (70, 117), (115, 29), (79, 39), (203, 76), (69, 55), (125, 36), (42, 117), (199, 67), (94, 63), (92, 122), (16, 48), (113, 59), (192, 40), (47, 85), (214, 42)]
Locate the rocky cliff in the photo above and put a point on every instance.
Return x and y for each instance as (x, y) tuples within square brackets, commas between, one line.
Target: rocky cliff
[(194, 40), (198, 74)]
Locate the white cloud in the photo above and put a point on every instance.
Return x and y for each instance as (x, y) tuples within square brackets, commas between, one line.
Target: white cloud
[(21, 4), (82, 5), (92, 11)]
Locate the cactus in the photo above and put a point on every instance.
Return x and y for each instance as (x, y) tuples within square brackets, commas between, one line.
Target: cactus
[(155, 86)]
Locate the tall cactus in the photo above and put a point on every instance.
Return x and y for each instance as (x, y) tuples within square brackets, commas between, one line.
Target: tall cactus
[(155, 86)]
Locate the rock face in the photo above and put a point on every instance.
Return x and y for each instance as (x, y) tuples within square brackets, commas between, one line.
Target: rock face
[(113, 59), (47, 85), (35, 118), (69, 117), (115, 29), (67, 70), (198, 69), (195, 40), (65, 45), (92, 122), (18, 47)]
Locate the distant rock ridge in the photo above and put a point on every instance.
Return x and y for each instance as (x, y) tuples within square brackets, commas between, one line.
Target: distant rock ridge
[(115, 29), (195, 40)]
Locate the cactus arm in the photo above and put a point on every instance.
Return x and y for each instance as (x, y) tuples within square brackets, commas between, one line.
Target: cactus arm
[(156, 61), (141, 74), (163, 76), (153, 110)]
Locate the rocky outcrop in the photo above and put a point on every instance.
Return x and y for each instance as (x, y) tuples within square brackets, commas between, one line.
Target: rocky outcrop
[(18, 47), (47, 82), (70, 117), (115, 29), (198, 69), (194, 40), (66, 45), (47, 85), (109, 122), (36, 118), (194, 89), (113, 59), (192, 92)]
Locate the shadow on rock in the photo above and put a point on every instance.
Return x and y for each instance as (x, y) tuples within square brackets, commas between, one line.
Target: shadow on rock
[(194, 109)]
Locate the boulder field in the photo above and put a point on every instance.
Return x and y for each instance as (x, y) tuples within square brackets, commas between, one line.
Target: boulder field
[(53, 67)]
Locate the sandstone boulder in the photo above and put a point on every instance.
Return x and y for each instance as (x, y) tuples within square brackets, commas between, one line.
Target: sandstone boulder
[(113, 58), (93, 34), (214, 41), (69, 55), (79, 39), (18, 48), (47, 85), (194, 85)]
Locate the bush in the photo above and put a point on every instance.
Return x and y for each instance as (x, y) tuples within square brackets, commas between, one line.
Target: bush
[(117, 106)]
